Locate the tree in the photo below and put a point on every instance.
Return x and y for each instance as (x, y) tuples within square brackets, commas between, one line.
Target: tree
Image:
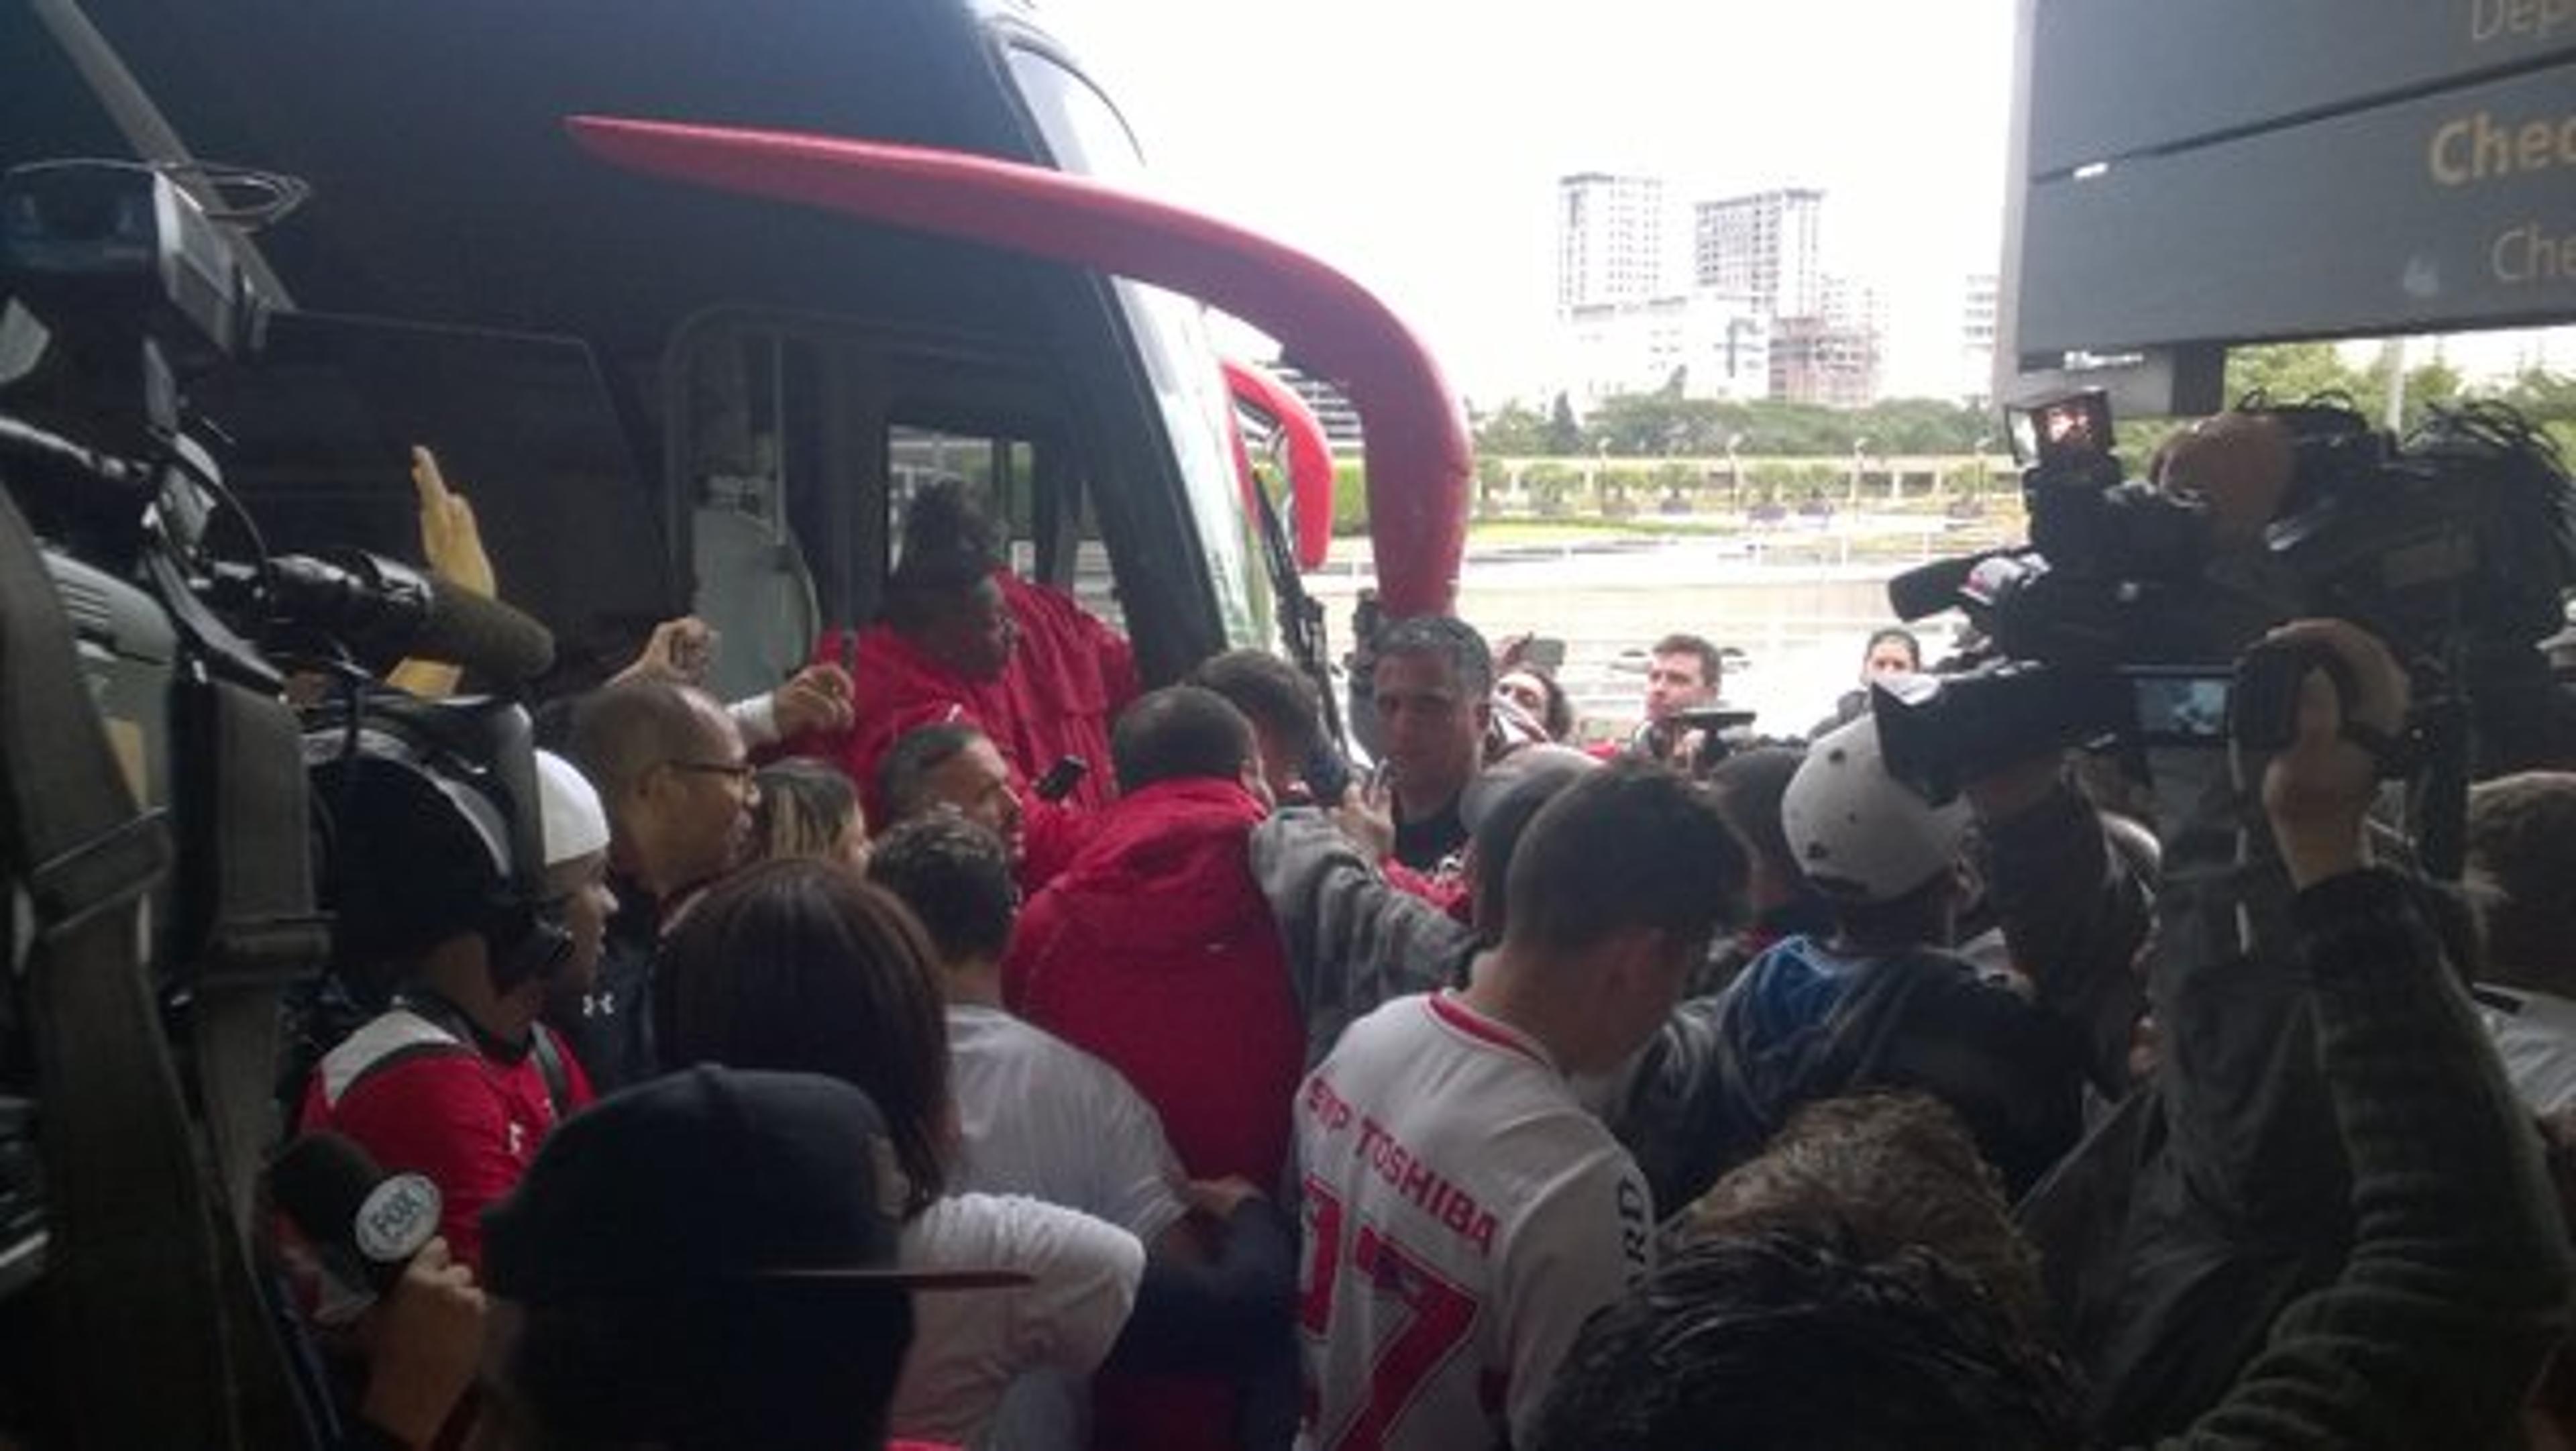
[(1514, 430), (2544, 396), (2549, 400), (2291, 373), (1564, 435)]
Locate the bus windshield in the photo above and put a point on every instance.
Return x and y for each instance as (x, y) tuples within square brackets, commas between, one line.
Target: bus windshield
[(1087, 137)]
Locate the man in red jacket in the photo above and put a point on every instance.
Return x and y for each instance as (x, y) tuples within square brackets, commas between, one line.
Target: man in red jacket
[(1155, 952), (964, 640)]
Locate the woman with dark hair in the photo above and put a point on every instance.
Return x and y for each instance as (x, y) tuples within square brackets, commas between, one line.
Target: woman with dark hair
[(808, 809), (799, 965)]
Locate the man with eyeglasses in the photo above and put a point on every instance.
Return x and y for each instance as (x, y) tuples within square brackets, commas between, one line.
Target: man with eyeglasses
[(671, 768)]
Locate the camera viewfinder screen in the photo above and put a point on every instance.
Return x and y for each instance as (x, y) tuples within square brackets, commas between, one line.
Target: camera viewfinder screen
[(2068, 428), (2181, 709)]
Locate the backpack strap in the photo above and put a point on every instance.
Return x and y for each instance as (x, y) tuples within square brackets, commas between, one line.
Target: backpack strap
[(550, 1064), (144, 1274), (454, 1032)]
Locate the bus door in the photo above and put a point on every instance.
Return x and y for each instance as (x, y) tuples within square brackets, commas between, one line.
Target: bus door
[(798, 442)]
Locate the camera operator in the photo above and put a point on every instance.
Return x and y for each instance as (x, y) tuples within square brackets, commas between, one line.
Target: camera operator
[(2427, 1336), (458, 1080), (2221, 1192)]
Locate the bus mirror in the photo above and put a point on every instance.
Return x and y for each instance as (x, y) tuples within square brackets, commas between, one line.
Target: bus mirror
[(1309, 456)]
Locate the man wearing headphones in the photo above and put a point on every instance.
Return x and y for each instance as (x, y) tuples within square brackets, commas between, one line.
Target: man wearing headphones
[(458, 1080)]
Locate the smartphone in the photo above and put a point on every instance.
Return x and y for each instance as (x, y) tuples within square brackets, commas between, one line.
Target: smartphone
[(1327, 775), (1061, 778)]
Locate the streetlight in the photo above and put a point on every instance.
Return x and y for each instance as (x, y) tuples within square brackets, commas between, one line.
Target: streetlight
[(1984, 442), (1860, 447), (1734, 468)]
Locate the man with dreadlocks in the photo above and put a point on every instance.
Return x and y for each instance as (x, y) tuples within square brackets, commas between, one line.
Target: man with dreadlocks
[(962, 639)]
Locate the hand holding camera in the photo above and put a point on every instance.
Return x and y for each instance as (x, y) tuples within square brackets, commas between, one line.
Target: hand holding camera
[(2317, 789)]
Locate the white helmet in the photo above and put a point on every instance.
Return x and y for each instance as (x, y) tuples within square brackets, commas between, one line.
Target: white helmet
[(1858, 833)]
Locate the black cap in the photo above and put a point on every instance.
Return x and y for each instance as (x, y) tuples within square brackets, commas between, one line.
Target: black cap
[(709, 1177)]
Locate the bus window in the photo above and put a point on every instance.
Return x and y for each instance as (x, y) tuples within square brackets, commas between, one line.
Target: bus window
[(1039, 508), (802, 441), (751, 452)]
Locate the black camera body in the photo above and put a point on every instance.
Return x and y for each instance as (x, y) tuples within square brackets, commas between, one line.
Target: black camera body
[(2122, 622), (120, 291)]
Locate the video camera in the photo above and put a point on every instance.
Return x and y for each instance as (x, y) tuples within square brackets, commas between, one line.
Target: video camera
[(185, 637), (2121, 623)]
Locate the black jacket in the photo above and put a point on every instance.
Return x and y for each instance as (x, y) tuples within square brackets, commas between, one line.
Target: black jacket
[(1726, 1070)]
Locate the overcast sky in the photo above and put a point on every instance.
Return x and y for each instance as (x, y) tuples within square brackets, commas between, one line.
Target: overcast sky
[(1416, 143)]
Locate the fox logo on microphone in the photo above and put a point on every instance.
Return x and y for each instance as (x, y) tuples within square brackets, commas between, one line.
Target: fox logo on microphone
[(398, 1217)]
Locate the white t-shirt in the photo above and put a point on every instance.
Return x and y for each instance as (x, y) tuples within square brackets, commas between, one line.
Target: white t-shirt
[(1043, 1118), (1471, 1216), (967, 1345), (2535, 1036)]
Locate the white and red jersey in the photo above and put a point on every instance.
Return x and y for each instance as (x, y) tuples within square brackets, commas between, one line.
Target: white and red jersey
[(1464, 1216)]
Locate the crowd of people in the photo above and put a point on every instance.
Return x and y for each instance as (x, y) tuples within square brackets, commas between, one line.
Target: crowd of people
[(865, 1077)]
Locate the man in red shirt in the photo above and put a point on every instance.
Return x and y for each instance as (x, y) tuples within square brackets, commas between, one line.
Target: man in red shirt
[(954, 766), (457, 1081), (965, 640)]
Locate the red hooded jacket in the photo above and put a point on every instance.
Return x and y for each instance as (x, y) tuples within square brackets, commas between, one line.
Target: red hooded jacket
[(1155, 951), (1068, 678)]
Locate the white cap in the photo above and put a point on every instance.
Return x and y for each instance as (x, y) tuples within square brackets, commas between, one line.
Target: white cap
[(575, 823), (1858, 833)]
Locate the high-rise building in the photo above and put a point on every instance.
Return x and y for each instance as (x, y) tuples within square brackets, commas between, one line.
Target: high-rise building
[(1609, 240), (1977, 337), (1766, 246)]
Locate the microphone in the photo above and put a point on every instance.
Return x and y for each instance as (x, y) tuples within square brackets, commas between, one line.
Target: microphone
[(358, 1225), (1928, 589), (380, 606)]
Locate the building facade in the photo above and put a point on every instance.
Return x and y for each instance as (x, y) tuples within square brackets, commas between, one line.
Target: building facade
[(1767, 245), (1977, 338), (1609, 240), (1715, 346)]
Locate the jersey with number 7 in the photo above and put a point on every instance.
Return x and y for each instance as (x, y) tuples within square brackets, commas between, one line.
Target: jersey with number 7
[(1463, 1216)]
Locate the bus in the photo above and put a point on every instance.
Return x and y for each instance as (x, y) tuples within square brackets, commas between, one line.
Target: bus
[(670, 398), (688, 296)]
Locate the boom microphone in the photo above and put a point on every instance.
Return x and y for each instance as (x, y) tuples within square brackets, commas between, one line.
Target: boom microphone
[(359, 1225), (377, 605), (1928, 589)]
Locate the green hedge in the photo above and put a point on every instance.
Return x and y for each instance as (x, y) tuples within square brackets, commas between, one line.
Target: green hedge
[(1350, 498)]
